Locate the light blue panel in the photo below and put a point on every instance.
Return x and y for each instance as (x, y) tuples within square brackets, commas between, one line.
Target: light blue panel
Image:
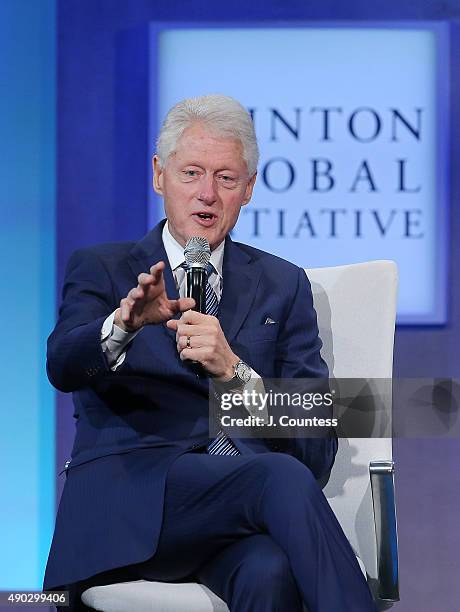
[(380, 163), (27, 288)]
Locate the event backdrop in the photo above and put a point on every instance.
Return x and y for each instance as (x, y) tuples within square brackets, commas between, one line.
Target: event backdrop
[(352, 125), (103, 181)]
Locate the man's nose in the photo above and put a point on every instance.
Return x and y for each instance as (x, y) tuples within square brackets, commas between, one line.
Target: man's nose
[(208, 190)]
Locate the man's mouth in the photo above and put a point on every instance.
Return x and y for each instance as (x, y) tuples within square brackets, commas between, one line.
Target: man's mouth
[(203, 215), (205, 219)]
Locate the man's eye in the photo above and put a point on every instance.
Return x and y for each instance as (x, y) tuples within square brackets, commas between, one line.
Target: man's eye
[(230, 180), (191, 173)]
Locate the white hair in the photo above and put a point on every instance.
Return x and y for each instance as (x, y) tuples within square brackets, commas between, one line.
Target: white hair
[(223, 115)]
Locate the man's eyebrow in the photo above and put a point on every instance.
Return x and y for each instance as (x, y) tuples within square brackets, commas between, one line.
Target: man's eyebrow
[(222, 169)]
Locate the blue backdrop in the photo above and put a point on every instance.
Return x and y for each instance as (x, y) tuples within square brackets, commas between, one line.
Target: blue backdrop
[(27, 288), (102, 186)]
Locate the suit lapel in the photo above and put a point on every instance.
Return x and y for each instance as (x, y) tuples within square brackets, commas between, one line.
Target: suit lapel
[(148, 251), (240, 273), (241, 277)]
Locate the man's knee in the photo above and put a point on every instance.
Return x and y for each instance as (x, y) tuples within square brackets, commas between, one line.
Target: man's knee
[(265, 571), (285, 471), (268, 568)]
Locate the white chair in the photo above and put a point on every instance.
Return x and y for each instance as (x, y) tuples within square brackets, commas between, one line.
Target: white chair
[(356, 306)]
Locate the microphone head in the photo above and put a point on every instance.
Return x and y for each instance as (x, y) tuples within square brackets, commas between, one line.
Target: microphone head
[(197, 252)]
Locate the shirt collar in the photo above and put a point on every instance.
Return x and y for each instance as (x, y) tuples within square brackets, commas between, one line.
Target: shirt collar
[(175, 252)]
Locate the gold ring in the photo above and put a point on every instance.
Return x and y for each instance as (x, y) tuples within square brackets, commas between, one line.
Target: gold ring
[(188, 342)]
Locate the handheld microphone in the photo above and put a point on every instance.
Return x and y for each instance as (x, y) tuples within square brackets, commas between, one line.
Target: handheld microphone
[(197, 254)]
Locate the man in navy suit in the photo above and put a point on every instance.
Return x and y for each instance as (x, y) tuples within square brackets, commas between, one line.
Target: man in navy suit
[(148, 493)]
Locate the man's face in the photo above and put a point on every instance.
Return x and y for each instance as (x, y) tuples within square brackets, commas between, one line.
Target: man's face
[(204, 183)]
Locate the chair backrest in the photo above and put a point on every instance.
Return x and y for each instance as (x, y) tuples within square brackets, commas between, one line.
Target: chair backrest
[(356, 308)]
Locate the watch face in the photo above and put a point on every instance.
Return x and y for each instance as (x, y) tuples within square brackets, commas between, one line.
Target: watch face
[(243, 371)]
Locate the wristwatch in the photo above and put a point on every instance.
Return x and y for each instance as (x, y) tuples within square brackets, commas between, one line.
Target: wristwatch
[(242, 372), (242, 375)]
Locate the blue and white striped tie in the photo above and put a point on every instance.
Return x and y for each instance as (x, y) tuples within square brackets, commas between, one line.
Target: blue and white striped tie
[(221, 445)]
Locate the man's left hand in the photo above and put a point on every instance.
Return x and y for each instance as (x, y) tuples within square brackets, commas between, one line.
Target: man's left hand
[(199, 337)]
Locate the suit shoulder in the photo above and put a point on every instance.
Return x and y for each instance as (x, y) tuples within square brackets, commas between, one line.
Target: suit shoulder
[(269, 260)]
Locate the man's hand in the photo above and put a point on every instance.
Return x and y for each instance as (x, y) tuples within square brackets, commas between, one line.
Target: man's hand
[(148, 303), (200, 338)]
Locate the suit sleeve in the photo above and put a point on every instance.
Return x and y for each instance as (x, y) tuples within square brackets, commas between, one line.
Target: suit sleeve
[(298, 356), (75, 358)]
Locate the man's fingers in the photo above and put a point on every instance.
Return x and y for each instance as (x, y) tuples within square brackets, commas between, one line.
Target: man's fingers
[(157, 271), (138, 293), (192, 316), (184, 304), (144, 279), (132, 295), (202, 354), (180, 305), (125, 311), (185, 329), (160, 265), (148, 301), (203, 341)]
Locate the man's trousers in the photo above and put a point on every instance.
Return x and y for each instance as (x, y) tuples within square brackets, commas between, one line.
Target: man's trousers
[(257, 531)]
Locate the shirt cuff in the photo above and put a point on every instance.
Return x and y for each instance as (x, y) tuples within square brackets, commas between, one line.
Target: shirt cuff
[(114, 342), (255, 384)]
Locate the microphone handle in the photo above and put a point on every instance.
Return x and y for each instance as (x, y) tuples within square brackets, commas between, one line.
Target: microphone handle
[(196, 287)]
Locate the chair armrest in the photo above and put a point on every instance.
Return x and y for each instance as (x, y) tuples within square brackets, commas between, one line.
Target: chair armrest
[(383, 498)]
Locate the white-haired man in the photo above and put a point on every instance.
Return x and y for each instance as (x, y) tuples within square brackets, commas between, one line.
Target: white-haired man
[(148, 493)]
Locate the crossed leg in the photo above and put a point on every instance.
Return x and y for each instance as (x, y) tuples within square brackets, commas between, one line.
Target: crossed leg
[(227, 519), (253, 575)]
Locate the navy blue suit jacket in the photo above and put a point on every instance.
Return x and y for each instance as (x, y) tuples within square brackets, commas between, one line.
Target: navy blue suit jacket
[(131, 424)]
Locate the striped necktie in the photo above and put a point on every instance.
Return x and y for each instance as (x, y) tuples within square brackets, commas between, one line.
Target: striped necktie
[(212, 303), (221, 445)]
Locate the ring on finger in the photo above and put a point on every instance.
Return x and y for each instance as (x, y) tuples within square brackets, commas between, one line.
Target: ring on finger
[(188, 345)]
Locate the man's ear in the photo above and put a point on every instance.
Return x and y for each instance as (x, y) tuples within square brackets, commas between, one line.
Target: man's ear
[(157, 175), (249, 189)]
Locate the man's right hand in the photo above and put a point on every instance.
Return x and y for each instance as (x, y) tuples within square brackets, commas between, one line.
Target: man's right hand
[(148, 303)]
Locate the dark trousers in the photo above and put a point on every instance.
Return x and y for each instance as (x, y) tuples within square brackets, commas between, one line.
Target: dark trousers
[(257, 531)]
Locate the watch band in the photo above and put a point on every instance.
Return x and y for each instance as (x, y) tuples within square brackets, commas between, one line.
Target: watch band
[(242, 376)]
